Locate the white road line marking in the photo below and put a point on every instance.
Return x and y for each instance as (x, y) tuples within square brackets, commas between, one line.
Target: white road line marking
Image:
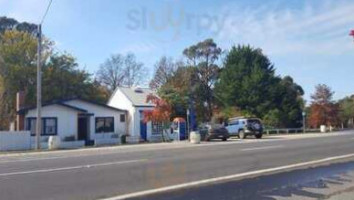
[(71, 168), (50, 158), (262, 148), (33, 158), (226, 178)]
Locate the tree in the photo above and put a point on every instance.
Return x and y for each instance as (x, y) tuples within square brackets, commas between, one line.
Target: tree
[(164, 70), (203, 57), (323, 95), (291, 104), (17, 58), (176, 90), (17, 71), (160, 114), (62, 78), (112, 72), (7, 24), (248, 81), (323, 110), (134, 71), (346, 111), (273, 118), (120, 70)]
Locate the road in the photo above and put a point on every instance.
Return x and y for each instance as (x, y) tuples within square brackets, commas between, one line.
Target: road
[(130, 171)]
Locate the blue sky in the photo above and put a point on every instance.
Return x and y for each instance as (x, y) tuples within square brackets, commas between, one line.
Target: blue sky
[(307, 40)]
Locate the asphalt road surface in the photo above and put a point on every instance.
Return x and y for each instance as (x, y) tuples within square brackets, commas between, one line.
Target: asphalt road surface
[(248, 169)]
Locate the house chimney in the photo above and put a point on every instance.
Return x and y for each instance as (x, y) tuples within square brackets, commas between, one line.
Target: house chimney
[(20, 118)]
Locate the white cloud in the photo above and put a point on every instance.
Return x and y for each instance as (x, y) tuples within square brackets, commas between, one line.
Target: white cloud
[(310, 29)]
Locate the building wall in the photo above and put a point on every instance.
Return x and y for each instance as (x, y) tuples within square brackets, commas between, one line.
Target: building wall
[(100, 111), (66, 119), (120, 101)]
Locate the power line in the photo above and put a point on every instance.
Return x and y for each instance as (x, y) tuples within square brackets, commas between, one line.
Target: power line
[(46, 12)]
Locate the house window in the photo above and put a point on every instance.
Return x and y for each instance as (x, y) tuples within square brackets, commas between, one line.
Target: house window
[(104, 124), (49, 125), (122, 118), (156, 128)]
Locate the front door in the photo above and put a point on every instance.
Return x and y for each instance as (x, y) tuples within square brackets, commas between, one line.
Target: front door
[(143, 127), (82, 128), (143, 130)]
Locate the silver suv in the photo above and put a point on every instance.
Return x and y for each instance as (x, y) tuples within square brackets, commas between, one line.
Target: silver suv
[(242, 127)]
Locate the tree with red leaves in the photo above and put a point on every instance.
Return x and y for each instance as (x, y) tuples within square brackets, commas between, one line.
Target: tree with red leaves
[(323, 111), (160, 114)]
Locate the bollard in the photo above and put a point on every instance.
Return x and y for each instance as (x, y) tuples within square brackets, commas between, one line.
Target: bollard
[(323, 128), (53, 142), (195, 137)]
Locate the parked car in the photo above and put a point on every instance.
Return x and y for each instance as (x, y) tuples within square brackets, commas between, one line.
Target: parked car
[(216, 131), (243, 127)]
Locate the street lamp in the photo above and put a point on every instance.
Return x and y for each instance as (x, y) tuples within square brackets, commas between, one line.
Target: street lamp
[(304, 121)]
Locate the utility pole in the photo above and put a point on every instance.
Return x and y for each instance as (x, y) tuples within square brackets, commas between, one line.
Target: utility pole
[(39, 89), (304, 121), (188, 125)]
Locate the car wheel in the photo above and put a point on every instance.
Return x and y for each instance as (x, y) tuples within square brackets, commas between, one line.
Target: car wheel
[(224, 139), (241, 134), (259, 136)]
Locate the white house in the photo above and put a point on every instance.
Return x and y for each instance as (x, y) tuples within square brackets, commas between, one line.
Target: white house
[(134, 101), (76, 119)]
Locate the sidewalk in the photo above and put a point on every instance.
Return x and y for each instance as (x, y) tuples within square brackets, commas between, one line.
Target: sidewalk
[(170, 145), (95, 149)]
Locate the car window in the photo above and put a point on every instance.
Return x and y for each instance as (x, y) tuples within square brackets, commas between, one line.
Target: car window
[(234, 122), (251, 121)]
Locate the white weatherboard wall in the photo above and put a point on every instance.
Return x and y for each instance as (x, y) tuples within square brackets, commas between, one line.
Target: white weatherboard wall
[(120, 101), (15, 140), (66, 120), (101, 111)]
